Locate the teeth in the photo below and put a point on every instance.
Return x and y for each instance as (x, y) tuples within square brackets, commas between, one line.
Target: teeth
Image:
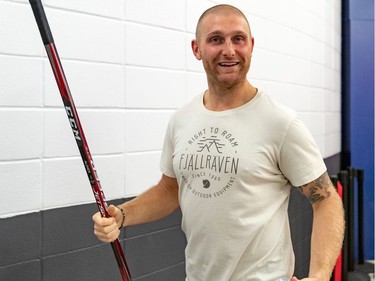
[(228, 63)]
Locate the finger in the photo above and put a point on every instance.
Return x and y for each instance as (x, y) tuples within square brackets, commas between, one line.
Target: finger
[(99, 220), (106, 232), (96, 216), (106, 225), (107, 237)]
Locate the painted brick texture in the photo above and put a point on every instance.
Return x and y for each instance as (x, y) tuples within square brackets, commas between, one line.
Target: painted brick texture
[(129, 66)]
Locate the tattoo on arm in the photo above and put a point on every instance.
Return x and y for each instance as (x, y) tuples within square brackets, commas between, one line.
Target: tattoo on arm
[(317, 190)]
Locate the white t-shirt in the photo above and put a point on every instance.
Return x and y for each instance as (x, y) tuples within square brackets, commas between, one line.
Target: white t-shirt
[(235, 169)]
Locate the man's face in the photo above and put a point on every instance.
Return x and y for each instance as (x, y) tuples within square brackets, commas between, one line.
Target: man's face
[(225, 46)]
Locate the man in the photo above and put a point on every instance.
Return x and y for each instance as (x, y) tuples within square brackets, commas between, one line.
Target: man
[(229, 160)]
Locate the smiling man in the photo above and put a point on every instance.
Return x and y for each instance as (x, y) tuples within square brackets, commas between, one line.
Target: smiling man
[(229, 160), (224, 44)]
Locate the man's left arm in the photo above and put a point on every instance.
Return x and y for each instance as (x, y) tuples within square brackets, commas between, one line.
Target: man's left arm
[(328, 227)]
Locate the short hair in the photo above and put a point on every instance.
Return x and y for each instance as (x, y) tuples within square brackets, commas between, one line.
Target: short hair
[(220, 9)]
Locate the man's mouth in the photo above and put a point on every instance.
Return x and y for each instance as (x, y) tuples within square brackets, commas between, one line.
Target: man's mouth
[(228, 64)]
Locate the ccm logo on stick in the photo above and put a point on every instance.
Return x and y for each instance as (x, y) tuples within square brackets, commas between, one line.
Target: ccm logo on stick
[(72, 122)]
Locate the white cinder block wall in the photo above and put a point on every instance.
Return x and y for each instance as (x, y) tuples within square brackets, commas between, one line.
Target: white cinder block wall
[(129, 66)]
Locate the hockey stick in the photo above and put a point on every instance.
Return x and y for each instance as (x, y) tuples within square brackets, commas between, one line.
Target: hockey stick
[(75, 124)]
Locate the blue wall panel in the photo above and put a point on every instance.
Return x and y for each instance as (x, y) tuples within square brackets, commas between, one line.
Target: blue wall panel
[(358, 61)]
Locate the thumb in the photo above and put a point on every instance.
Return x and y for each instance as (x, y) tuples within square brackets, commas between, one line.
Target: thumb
[(112, 210), (115, 213), (294, 279)]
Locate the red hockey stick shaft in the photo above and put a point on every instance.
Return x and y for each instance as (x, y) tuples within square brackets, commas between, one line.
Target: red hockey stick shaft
[(76, 126)]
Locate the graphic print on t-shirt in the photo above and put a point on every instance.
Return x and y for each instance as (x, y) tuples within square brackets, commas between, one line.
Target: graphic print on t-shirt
[(210, 162)]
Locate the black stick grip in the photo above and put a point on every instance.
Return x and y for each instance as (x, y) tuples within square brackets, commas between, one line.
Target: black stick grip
[(41, 19)]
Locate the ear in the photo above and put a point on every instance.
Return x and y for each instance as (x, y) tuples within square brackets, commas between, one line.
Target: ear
[(252, 44), (195, 48)]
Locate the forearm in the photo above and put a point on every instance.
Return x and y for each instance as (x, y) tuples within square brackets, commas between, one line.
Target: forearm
[(327, 236), (154, 204), (328, 226)]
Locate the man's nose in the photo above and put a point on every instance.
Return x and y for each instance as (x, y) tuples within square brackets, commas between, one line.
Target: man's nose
[(229, 49)]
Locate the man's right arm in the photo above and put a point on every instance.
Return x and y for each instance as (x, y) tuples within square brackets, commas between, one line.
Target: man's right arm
[(152, 205)]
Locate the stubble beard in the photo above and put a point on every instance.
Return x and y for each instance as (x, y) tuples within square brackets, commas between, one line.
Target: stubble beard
[(220, 81)]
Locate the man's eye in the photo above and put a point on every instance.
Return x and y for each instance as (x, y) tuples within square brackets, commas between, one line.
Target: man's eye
[(238, 38), (215, 39)]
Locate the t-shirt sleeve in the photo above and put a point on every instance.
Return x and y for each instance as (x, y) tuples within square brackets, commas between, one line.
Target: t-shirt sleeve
[(300, 159), (166, 161)]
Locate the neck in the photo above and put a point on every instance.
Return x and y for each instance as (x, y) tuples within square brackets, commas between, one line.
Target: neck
[(220, 99)]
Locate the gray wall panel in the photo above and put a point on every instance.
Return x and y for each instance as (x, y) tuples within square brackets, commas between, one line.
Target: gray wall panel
[(59, 244), (20, 239), (28, 271)]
